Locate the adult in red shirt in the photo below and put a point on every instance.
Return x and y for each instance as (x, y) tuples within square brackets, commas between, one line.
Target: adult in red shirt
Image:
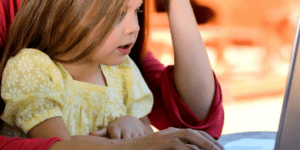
[(173, 106)]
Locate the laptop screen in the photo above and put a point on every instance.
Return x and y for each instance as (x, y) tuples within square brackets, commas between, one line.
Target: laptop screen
[(288, 135)]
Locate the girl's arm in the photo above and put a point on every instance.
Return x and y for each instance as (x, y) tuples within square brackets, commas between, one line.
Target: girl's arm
[(50, 128), (193, 76), (55, 127), (85, 142)]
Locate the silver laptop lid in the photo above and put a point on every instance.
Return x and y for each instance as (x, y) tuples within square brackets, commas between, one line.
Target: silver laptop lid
[(288, 135)]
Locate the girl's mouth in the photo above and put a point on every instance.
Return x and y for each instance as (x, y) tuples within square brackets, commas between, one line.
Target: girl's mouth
[(125, 46), (125, 50)]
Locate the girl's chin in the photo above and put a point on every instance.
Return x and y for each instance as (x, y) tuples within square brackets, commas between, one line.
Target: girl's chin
[(115, 63)]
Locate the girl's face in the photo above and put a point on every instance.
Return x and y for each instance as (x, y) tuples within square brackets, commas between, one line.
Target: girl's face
[(112, 51)]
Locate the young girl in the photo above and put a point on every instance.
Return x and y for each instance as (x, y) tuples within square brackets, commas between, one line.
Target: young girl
[(180, 116), (69, 68)]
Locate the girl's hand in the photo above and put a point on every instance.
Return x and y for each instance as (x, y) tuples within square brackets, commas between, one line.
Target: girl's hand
[(124, 127), (173, 138)]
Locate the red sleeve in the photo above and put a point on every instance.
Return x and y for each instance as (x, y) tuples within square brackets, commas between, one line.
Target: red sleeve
[(17, 143), (8, 10), (169, 110)]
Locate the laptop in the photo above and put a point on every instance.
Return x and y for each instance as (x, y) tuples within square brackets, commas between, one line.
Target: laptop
[(288, 134)]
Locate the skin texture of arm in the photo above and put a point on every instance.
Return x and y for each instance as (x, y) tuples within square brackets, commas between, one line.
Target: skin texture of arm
[(50, 128), (193, 76), (84, 142)]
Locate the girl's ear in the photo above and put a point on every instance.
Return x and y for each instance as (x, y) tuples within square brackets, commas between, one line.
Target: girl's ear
[(139, 49)]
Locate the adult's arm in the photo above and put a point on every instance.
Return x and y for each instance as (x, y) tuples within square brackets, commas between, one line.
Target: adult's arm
[(55, 143), (166, 139), (17, 143), (193, 75), (169, 110)]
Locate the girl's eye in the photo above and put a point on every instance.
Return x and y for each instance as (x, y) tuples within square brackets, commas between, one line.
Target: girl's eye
[(122, 15)]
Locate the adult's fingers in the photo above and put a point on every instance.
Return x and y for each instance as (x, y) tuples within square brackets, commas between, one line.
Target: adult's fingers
[(193, 147), (194, 138), (101, 133), (204, 134), (177, 144), (211, 139)]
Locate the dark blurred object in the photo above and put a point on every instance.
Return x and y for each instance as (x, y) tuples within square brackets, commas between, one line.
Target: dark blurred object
[(203, 14), (139, 49)]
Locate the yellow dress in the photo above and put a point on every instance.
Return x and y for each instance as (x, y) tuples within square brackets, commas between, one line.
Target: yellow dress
[(35, 88)]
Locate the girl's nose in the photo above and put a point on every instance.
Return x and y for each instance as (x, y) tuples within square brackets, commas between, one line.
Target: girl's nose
[(132, 26)]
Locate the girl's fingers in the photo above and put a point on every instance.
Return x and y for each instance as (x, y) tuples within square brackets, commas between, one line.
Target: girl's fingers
[(141, 134), (101, 133), (134, 135), (115, 133), (126, 135)]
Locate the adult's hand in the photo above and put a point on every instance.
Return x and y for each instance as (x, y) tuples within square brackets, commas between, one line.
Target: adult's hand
[(172, 138)]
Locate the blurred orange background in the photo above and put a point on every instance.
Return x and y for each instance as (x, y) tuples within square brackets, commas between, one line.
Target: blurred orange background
[(249, 43)]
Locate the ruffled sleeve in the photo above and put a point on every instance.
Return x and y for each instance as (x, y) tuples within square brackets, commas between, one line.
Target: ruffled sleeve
[(31, 88), (169, 110)]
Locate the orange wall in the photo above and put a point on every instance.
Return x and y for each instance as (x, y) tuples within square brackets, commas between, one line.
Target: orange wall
[(244, 12)]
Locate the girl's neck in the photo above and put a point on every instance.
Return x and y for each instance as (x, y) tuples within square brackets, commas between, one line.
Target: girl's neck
[(86, 73)]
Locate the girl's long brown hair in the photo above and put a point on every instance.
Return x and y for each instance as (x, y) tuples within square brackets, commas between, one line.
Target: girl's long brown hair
[(49, 25), (57, 26)]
